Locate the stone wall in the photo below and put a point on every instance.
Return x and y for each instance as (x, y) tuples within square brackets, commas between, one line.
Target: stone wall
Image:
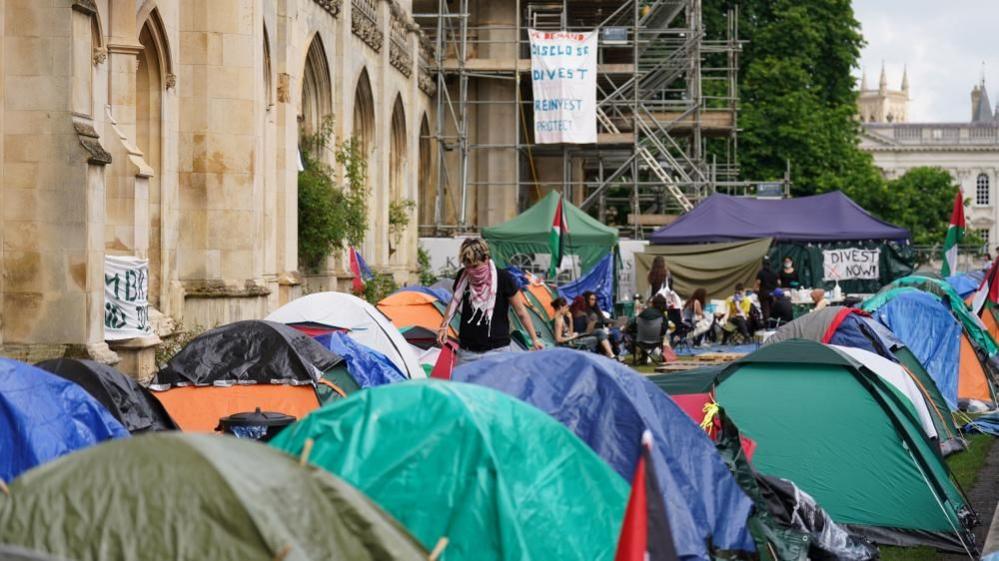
[(168, 130)]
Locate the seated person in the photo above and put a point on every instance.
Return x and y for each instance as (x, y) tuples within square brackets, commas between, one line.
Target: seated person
[(819, 299), (781, 310), (693, 315), (739, 307), (657, 309), (565, 329)]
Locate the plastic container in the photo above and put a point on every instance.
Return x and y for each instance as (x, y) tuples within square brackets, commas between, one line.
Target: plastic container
[(255, 425)]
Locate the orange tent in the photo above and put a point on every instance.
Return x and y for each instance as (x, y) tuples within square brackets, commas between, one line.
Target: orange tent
[(409, 308), (199, 408), (544, 297), (972, 381)]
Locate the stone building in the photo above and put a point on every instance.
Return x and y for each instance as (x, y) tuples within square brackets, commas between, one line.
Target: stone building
[(968, 150), (169, 130), (882, 105)]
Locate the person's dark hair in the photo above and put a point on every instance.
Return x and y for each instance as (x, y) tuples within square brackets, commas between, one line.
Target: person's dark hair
[(700, 295), (586, 298), (578, 306), (558, 303), (658, 273), (658, 302), (739, 287)]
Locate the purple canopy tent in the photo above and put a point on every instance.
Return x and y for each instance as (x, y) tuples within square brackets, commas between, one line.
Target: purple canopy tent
[(828, 217)]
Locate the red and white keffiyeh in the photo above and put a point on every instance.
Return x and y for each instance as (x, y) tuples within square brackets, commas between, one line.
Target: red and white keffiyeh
[(480, 283)]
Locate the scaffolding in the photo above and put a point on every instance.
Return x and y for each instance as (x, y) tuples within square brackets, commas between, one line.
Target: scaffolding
[(667, 110)]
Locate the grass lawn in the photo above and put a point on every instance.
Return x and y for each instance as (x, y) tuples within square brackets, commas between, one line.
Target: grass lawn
[(965, 467)]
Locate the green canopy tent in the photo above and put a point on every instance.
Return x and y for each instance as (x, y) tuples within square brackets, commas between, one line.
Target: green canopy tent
[(193, 497), (845, 436), (497, 477), (530, 233), (715, 267)]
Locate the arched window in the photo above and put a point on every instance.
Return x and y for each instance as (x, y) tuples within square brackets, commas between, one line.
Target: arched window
[(317, 91), (982, 190), (427, 195)]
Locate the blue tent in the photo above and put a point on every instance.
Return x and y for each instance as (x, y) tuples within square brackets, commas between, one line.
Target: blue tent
[(965, 284), (43, 416), (931, 332), (366, 366), (608, 406)]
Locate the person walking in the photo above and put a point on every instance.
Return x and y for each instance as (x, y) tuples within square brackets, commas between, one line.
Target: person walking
[(484, 294)]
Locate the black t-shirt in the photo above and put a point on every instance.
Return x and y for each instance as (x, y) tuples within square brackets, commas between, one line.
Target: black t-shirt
[(480, 337), (768, 280), (781, 309), (789, 280)]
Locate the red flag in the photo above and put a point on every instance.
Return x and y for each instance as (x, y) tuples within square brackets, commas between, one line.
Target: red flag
[(988, 291), (445, 362), (355, 268), (645, 533)]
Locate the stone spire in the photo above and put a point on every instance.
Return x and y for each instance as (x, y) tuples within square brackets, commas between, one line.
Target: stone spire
[(863, 80), (905, 80), (883, 81)]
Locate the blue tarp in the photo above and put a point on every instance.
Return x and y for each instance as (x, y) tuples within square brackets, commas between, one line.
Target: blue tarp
[(926, 325), (965, 284), (367, 366), (600, 279), (43, 416), (851, 333), (986, 424), (608, 406), (441, 294)]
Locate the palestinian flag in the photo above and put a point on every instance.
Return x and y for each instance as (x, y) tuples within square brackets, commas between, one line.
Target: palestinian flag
[(557, 239), (955, 233), (359, 269), (988, 291), (645, 534)]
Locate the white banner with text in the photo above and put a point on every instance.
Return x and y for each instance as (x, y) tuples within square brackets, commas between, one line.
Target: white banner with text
[(851, 263), (564, 79), (126, 293)]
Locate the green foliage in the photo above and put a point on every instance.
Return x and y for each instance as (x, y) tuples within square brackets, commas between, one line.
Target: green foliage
[(399, 212), (172, 344), (797, 102), (379, 287), (920, 201), (427, 276), (331, 215)]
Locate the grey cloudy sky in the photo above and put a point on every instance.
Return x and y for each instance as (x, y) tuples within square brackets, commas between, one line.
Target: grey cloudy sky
[(943, 42)]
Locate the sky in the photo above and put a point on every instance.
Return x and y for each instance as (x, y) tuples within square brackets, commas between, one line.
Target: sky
[(943, 43)]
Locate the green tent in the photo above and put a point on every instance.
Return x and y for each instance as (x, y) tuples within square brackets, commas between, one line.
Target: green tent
[(529, 232), (843, 435), (194, 497), (497, 477)]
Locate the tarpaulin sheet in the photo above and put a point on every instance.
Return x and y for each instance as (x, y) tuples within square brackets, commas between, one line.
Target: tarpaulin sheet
[(121, 395), (43, 416), (715, 267), (929, 330), (188, 497), (249, 351), (497, 477), (827, 217), (367, 367), (600, 280), (986, 424), (964, 284), (609, 405)]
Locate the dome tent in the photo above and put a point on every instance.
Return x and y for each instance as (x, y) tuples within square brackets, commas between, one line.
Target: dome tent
[(875, 470), (43, 417), (221, 498), (495, 476), (608, 406)]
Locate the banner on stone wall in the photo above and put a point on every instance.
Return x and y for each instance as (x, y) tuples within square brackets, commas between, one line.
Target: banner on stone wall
[(564, 80), (126, 293), (851, 263)]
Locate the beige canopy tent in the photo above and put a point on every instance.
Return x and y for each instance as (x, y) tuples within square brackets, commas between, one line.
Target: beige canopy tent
[(716, 267)]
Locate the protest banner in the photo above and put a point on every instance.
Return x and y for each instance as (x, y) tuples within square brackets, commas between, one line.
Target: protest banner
[(564, 80), (126, 293), (851, 263)]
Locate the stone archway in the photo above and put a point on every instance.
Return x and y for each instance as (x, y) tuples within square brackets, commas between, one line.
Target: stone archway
[(150, 84), (398, 166), (317, 91), (426, 193), (364, 118)]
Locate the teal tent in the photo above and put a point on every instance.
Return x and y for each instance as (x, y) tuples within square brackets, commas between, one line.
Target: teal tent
[(530, 231)]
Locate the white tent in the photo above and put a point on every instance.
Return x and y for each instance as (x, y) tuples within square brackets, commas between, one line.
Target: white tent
[(895, 375), (362, 321)]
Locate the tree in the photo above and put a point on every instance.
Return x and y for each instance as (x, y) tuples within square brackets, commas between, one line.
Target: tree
[(920, 201), (797, 98)]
